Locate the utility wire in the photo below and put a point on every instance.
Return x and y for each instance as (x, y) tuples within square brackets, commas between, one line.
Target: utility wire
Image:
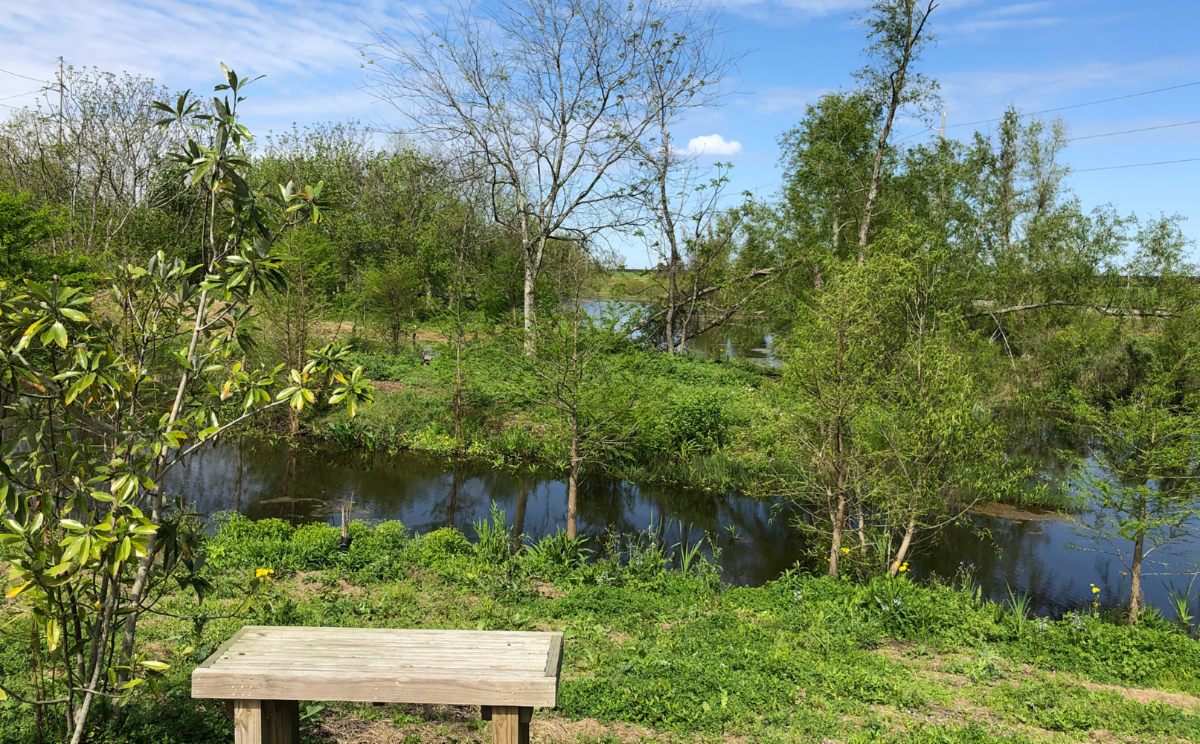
[(1136, 165), (1064, 108), (30, 93), (1082, 74), (1131, 131), (1080, 105), (17, 74), (31, 46)]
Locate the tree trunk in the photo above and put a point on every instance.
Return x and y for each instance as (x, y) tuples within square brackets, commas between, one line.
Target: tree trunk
[(838, 515), (671, 290), (905, 543), (898, 78), (1135, 578), (530, 287), (458, 389), (573, 481)]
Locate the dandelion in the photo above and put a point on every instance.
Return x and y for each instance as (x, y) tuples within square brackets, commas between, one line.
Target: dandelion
[(1095, 590), (264, 573), (846, 550), (903, 567)]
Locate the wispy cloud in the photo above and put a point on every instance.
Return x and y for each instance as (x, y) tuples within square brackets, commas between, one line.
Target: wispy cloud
[(1017, 15), (305, 47), (785, 11), (783, 99)]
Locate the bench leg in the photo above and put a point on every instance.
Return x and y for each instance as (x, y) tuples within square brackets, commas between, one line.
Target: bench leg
[(266, 722), (510, 725)]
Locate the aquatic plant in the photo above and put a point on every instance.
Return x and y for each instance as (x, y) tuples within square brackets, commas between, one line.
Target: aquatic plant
[(1180, 600), (1019, 605)]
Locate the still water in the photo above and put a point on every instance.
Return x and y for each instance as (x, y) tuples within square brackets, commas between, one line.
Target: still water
[(1027, 552)]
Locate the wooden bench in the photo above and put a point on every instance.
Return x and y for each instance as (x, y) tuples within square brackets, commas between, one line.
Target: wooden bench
[(266, 671)]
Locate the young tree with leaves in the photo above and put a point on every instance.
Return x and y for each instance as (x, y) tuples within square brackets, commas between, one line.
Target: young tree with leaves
[(1144, 497), (100, 404)]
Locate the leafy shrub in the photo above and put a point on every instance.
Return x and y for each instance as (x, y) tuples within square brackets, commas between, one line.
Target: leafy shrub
[(555, 555), (493, 542), (698, 422), (438, 547)]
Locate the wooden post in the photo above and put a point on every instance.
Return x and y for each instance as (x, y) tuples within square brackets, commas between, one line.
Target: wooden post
[(247, 722), (524, 716), (506, 724), (266, 722)]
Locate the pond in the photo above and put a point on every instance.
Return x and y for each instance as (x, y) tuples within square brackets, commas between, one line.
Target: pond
[(1004, 548), (739, 339)]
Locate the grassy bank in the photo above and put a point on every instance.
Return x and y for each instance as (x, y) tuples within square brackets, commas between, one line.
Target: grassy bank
[(694, 422), (659, 650)]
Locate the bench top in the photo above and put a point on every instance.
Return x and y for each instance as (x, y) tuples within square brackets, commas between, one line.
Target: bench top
[(453, 667)]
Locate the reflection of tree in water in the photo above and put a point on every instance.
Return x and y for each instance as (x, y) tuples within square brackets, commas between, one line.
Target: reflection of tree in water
[(1041, 444), (1003, 554)]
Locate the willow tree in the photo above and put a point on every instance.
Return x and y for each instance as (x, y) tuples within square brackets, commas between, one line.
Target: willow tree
[(898, 32)]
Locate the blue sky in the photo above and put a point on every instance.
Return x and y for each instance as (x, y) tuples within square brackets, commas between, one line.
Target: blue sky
[(1037, 55)]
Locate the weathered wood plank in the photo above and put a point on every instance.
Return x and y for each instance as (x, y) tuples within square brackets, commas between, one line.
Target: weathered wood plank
[(223, 647), (374, 687), (554, 656), (505, 668)]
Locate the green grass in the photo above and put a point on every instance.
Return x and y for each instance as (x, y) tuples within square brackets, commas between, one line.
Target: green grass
[(692, 422), (680, 656)]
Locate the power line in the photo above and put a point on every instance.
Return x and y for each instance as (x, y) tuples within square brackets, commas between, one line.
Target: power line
[(1082, 74), (17, 74), (1081, 105), (30, 93), (1136, 165), (31, 46), (1131, 131)]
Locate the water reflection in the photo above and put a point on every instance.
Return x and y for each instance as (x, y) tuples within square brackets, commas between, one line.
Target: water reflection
[(1027, 553), (425, 494), (733, 340)]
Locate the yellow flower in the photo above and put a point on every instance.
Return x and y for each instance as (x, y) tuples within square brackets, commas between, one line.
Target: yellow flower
[(266, 573), (903, 567), (1095, 590), (845, 550)]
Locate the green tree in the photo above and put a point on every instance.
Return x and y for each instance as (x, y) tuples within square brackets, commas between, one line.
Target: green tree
[(1144, 496), (22, 228), (100, 405), (837, 359)]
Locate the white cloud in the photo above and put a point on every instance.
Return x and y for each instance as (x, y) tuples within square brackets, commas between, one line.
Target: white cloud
[(713, 144)]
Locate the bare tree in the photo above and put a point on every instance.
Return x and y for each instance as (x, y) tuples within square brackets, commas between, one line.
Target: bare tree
[(103, 158), (681, 197), (550, 96), (897, 30)]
